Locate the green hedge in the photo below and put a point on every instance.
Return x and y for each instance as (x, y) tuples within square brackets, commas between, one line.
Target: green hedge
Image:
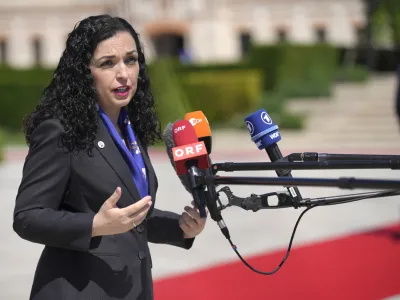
[(176, 90), (2, 144), (212, 67), (171, 102), (222, 91), (16, 102), (20, 91), (275, 104), (296, 70), (354, 73), (289, 69), (222, 94)]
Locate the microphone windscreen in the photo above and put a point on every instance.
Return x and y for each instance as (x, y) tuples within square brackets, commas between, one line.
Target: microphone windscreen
[(169, 144), (183, 133), (199, 123)]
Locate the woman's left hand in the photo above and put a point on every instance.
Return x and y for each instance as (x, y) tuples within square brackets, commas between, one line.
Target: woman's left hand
[(191, 223)]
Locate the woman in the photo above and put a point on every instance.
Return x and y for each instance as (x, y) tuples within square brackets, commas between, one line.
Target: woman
[(88, 186)]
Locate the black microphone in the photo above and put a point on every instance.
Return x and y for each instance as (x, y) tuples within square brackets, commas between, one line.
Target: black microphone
[(203, 132), (264, 133), (191, 158), (210, 193), (169, 145)]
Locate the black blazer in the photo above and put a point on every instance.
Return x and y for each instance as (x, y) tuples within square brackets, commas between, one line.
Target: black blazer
[(59, 195)]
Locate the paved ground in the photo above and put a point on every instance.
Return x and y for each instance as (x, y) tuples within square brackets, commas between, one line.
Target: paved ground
[(254, 233)]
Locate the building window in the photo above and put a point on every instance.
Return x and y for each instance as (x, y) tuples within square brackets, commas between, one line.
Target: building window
[(281, 35), (170, 45), (165, 4), (361, 36), (3, 51), (320, 34), (37, 50), (245, 42)]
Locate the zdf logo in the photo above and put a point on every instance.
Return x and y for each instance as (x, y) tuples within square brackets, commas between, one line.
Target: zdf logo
[(194, 121)]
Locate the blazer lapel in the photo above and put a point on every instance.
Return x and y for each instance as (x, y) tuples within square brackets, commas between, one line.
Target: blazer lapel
[(107, 148)]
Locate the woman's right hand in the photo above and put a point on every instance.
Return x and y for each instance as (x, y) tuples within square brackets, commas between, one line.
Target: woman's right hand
[(113, 220)]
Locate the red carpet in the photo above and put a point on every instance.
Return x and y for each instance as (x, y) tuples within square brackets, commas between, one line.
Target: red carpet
[(363, 266)]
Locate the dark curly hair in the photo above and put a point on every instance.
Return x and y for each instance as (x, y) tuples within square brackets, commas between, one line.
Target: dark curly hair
[(71, 96)]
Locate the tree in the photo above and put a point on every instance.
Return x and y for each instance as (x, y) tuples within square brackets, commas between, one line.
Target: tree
[(392, 10), (387, 19), (386, 23)]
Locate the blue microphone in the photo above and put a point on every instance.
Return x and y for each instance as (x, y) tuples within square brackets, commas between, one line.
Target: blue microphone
[(264, 133), (263, 130)]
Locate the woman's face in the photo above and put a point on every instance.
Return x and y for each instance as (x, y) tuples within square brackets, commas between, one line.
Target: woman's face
[(115, 70)]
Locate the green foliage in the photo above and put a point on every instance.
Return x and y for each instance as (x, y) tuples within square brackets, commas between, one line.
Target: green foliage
[(198, 68), (352, 74), (296, 70), (171, 101), (228, 92), (224, 92), (392, 8), (275, 104), (386, 21), (268, 60), (2, 144), (25, 77), (20, 92), (221, 94), (16, 102)]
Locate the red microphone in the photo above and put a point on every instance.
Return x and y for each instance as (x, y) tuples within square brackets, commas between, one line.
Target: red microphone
[(190, 157), (188, 151)]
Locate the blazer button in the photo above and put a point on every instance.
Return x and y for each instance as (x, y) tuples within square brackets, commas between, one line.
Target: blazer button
[(142, 255), (140, 228)]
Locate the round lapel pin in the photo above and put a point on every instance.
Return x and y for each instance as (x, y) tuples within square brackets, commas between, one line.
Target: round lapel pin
[(101, 144)]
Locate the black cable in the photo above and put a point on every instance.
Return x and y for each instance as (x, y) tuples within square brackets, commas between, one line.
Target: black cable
[(349, 198), (385, 193), (287, 252), (380, 194)]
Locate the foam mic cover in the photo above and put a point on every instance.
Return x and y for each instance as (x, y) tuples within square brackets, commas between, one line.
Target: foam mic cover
[(169, 145), (201, 126), (188, 151)]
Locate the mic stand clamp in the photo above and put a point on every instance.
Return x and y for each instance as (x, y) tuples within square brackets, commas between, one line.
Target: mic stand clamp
[(255, 202)]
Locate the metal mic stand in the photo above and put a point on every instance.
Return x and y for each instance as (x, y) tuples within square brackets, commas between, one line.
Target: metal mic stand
[(305, 165), (314, 156), (308, 160), (256, 202), (342, 182)]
